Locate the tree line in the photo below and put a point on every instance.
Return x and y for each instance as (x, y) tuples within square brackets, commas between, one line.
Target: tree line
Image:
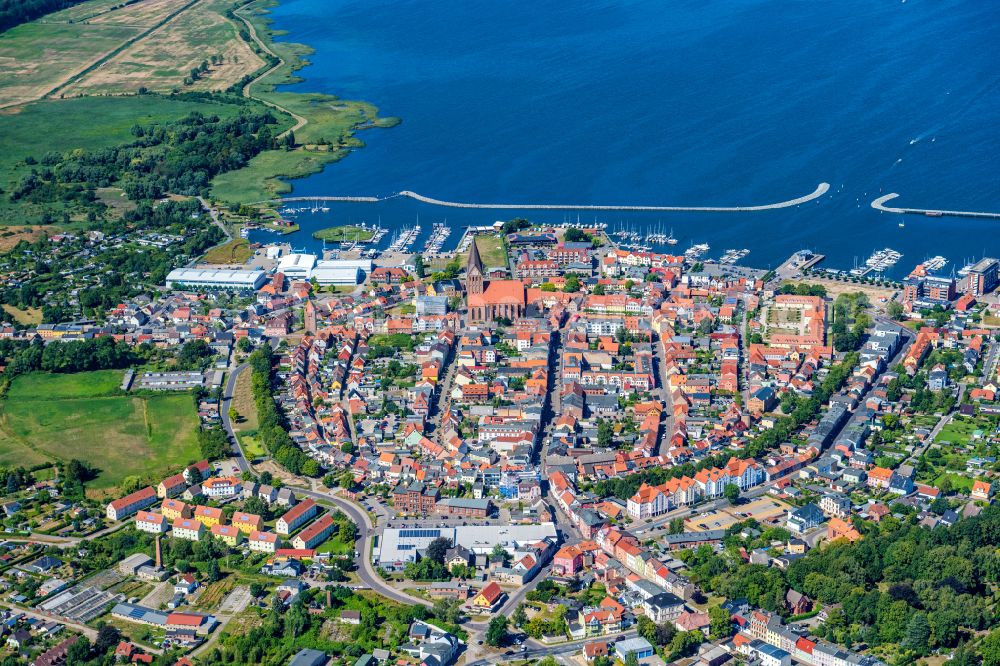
[(16, 12), (273, 427)]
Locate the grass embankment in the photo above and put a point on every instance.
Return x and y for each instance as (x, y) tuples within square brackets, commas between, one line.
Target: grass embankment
[(246, 423), (88, 123), (491, 251), (236, 251), (326, 136), (85, 416), (344, 233)]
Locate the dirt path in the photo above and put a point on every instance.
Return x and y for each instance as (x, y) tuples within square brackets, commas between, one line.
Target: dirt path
[(300, 121)]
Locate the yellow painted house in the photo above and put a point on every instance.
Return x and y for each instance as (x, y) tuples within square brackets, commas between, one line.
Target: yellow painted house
[(228, 534), (247, 522), (208, 516), (488, 596), (173, 509)]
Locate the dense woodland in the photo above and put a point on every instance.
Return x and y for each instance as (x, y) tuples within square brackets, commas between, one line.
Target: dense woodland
[(901, 584), (104, 353), (16, 12)]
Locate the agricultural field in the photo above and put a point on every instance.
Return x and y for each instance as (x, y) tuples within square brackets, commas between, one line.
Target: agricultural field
[(99, 48), (111, 12), (36, 58), (85, 416), (161, 60)]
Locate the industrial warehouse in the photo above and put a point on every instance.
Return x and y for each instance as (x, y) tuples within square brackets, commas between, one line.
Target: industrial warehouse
[(216, 278)]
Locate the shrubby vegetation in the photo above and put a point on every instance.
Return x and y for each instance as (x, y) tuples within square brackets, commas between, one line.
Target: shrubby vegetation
[(179, 157), (126, 270), (280, 635)]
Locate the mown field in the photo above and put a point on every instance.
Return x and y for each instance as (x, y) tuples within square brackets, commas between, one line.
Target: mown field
[(161, 60), (85, 416), (100, 47), (37, 57)]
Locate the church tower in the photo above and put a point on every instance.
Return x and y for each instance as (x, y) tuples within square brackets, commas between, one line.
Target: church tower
[(474, 271)]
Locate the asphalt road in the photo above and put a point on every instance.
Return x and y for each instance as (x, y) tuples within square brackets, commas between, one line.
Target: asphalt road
[(227, 402), (366, 531), (541, 652)]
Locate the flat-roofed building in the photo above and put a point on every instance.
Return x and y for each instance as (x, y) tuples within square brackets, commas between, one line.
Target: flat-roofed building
[(397, 546), (216, 278), (297, 266), (983, 276)]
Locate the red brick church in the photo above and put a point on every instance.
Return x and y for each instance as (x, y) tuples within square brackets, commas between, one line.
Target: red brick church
[(491, 300)]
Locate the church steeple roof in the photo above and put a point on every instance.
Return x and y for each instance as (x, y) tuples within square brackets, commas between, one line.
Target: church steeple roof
[(475, 261)]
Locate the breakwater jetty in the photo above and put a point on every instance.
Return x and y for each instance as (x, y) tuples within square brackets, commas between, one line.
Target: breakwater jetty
[(354, 199), (879, 204), (820, 190)]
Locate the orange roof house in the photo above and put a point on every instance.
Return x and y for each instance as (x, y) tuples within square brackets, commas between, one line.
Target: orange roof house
[(982, 490), (488, 596), (838, 528)]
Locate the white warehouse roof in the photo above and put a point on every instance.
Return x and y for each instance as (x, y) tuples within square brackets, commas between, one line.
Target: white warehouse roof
[(216, 277), (336, 274), (297, 264)]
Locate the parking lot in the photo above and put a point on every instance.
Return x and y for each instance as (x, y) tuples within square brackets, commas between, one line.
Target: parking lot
[(765, 510)]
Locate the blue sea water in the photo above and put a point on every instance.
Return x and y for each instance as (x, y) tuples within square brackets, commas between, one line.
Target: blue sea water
[(732, 102)]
